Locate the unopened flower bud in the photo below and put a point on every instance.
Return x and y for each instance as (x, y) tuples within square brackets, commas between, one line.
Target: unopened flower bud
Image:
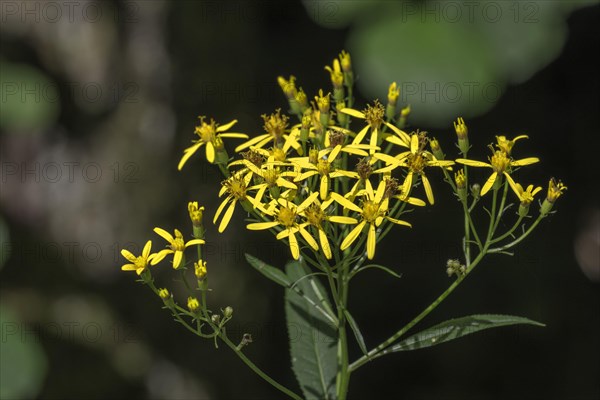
[(200, 270), (555, 190), (337, 77), (475, 190), (164, 294), (193, 304), (393, 93), (196, 213), (436, 149), (462, 132), (461, 184), (288, 86), (313, 156), (302, 101), (228, 312), (404, 113), (346, 63)]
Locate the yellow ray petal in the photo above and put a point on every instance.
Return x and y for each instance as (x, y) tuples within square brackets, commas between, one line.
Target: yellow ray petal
[(524, 161), (324, 244), (324, 187), (164, 234), (210, 152), (127, 254), (414, 144), (338, 219), (360, 135), (352, 112), (371, 241), (489, 183), (234, 135), (307, 202), (221, 207), (309, 239), (177, 259), (472, 163), (398, 222), (227, 217), (187, 153), (160, 256), (428, 190), (251, 142), (514, 186), (345, 202), (294, 248), (226, 127), (348, 240), (257, 226)]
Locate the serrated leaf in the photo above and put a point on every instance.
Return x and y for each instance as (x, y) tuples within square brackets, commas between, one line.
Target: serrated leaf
[(357, 334), (272, 273), (313, 338), (456, 328)]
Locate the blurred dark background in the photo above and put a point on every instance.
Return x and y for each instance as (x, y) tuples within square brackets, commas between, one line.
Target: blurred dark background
[(100, 98)]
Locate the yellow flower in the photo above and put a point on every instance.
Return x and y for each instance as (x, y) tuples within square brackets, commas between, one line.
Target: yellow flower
[(501, 164), (506, 145), (416, 159), (236, 187), (273, 177), (324, 167), (275, 127), (374, 117), (315, 214), (525, 195), (208, 134), (285, 214), (138, 264), (373, 211), (176, 246)]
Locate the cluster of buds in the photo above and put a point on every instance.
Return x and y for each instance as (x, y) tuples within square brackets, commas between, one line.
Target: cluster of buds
[(454, 267)]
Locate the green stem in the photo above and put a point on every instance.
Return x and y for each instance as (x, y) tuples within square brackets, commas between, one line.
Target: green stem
[(519, 239), (258, 371), (379, 350), (509, 232)]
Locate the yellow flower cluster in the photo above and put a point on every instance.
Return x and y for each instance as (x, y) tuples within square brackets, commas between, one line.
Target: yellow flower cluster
[(320, 180)]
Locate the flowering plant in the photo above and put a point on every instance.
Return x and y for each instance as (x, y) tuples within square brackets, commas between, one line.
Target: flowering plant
[(345, 176)]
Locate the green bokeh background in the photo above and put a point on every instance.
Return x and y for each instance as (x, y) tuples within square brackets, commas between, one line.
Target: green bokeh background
[(118, 92)]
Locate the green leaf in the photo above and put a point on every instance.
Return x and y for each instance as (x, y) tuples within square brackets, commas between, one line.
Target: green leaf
[(356, 330), (456, 328), (274, 274), (313, 338)]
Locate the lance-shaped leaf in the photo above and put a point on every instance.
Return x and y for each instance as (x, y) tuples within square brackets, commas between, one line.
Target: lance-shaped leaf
[(279, 277), (272, 273), (456, 328), (313, 338)]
